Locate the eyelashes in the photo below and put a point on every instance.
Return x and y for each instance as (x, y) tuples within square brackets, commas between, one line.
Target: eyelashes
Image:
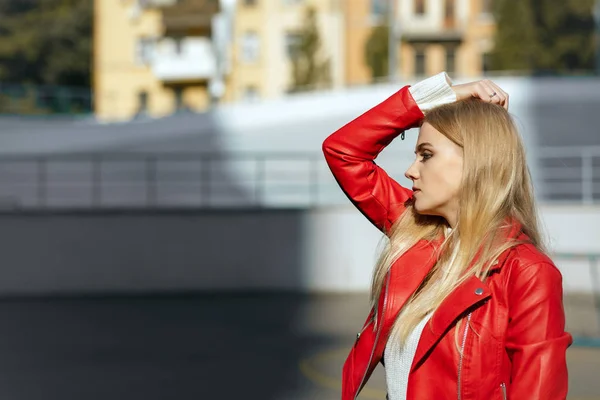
[(426, 156)]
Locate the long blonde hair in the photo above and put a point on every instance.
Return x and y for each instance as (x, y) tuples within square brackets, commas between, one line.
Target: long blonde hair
[(496, 187)]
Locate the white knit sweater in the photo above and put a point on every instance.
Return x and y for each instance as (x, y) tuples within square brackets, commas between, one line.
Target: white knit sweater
[(398, 359)]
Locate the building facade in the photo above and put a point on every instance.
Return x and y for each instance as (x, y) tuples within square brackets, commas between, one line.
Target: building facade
[(267, 32), (156, 57), (430, 36)]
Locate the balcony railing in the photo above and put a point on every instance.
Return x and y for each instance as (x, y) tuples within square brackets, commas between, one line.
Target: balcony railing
[(433, 35), (157, 3), (444, 29), (192, 58), (188, 15), (200, 180)]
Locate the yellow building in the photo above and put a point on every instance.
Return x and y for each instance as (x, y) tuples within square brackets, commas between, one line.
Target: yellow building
[(266, 32), (432, 36), (360, 18), (155, 57)]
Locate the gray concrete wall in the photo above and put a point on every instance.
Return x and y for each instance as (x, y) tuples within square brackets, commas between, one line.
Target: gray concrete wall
[(145, 252), (326, 249)]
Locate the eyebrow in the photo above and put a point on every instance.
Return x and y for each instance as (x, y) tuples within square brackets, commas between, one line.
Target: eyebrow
[(420, 147)]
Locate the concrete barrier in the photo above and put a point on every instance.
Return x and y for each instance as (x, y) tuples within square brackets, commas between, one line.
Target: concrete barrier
[(330, 249)]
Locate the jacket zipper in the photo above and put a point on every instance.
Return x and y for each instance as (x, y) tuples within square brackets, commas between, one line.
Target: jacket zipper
[(503, 387), (385, 296), (363, 329), (462, 351)]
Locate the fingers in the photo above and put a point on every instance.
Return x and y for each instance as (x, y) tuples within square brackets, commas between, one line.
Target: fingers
[(501, 94), (492, 93), (485, 90)]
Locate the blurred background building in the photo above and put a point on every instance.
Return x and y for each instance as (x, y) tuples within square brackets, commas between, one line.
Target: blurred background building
[(282, 46), (428, 36), (132, 58), (158, 57)]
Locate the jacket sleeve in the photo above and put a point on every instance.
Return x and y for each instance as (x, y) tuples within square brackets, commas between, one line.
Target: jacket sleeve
[(350, 151), (536, 338)]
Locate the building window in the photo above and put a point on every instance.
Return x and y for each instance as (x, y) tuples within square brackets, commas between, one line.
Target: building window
[(449, 11), (178, 45), (142, 102), (420, 62), (486, 62), (450, 60), (178, 92), (486, 6), (144, 51), (419, 7), (293, 41), (379, 8), (250, 47), (251, 94)]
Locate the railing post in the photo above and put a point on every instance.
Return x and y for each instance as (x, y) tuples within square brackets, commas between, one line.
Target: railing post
[(97, 181), (259, 195), (205, 163), (151, 184), (42, 182), (587, 181)]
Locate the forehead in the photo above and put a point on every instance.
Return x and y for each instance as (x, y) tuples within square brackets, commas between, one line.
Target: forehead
[(427, 133), (436, 140)]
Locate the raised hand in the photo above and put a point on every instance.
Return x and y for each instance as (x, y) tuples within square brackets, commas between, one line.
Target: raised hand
[(485, 89)]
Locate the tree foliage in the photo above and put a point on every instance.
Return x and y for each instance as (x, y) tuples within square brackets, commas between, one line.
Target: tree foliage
[(46, 41), (310, 68), (544, 36), (377, 51)]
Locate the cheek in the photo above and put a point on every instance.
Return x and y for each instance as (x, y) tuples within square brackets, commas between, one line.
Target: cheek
[(444, 179), (452, 177)]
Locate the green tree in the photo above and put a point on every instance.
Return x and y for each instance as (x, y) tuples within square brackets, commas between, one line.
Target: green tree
[(544, 36), (310, 68), (46, 41), (377, 51)]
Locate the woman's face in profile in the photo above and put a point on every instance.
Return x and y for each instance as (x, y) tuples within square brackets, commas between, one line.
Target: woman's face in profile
[(436, 174)]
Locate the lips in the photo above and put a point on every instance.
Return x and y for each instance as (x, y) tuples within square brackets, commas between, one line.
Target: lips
[(414, 189)]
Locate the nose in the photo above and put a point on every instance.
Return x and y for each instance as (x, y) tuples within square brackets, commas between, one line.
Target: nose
[(412, 173)]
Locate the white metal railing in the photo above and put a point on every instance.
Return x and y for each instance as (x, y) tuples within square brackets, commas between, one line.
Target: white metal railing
[(192, 58), (569, 172), (247, 179)]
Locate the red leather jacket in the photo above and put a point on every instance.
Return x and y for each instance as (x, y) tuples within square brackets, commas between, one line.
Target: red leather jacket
[(519, 351)]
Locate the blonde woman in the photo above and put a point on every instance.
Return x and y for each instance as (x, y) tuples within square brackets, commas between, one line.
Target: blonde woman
[(465, 302)]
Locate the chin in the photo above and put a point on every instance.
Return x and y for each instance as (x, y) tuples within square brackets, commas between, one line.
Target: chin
[(421, 211), (424, 211), (417, 207)]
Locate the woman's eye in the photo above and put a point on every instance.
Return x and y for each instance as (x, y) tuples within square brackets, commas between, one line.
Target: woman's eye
[(426, 156)]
